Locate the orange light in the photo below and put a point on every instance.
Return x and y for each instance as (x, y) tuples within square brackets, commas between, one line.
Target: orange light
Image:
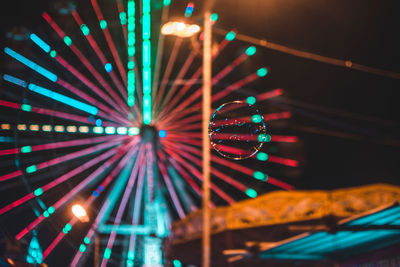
[(80, 213), (179, 29)]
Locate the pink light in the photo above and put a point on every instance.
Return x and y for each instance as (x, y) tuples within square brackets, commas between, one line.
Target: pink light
[(284, 139), (10, 175), (283, 161), (229, 68), (167, 73), (110, 42), (280, 184), (277, 116), (271, 94), (171, 190)]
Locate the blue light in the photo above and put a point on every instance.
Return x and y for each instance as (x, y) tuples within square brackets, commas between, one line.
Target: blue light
[(48, 74), (63, 99), (162, 133), (42, 44), (108, 67), (100, 188), (15, 80), (95, 193), (91, 119), (99, 122)]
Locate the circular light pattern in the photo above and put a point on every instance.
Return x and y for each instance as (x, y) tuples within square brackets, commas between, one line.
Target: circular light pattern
[(162, 133), (235, 129)]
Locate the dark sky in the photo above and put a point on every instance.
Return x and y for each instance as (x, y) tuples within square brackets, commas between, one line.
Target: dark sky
[(347, 120)]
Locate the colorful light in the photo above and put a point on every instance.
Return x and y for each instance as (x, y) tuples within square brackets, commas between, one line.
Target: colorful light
[(146, 72), (251, 50), (262, 72), (46, 73), (85, 29), (103, 24), (131, 76), (230, 36), (251, 192), (39, 42), (80, 213), (189, 10), (262, 156), (108, 67), (162, 133)]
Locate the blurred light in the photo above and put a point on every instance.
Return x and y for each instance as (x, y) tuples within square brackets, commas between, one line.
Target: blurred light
[(53, 53), (67, 40), (21, 127), (133, 131), (214, 17), (42, 44), (26, 149), (167, 2), (80, 213), (86, 240), (264, 138), (31, 169), (51, 210), (103, 24), (107, 253), (251, 100), (179, 29), (122, 17), (34, 127), (71, 129), (83, 129), (38, 191), (85, 30), (251, 192), (98, 130), (256, 118), (262, 156), (110, 130), (15, 80), (230, 36), (251, 51), (59, 128), (122, 130), (108, 67), (162, 133), (99, 122), (189, 10), (262, 72), (46, 128), (26, 107), (5, 126), (177, 263), (82, 248)]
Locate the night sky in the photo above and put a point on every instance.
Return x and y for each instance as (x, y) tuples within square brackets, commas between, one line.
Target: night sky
[(347, 121)]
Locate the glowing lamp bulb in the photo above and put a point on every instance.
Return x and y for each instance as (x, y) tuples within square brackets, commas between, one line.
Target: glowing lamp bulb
[(180, 26), (80, 213)]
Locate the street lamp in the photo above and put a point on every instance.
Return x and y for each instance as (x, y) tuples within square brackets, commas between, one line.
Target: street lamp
[(182, 29)]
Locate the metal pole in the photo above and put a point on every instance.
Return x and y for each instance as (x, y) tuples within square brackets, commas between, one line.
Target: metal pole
[(96, 249), (206, 141)]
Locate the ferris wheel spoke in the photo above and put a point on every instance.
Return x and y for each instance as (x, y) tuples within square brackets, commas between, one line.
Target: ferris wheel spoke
[(67, 40)]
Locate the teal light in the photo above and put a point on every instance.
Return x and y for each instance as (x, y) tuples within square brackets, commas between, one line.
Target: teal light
[(108, 67), (31, 169), (63, 99), (110, 130), (265, 138), (53, 53), (146, 109), (167, 2), (85, 30), (146, 72), (46, 73), (15, 80), (251, 50), (98, 130), (107, 253), (258, 175), (26, 107), (230, 36), (251, 100), (262, 156), (51, 210), (39, 42), (133, 131), (214, 17), (122, 17), (131, 77), (34, 254), (262, 72), (46, 214), (256, 118), (68, 227), (26, 149), (103, 24), (177, 263), (251, 192), (131, 65), (38, 192), (86, 240), (122, 130), (82, 248), (67, 40)]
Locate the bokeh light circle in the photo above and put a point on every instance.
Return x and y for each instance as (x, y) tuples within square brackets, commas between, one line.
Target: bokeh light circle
[(237, 130)]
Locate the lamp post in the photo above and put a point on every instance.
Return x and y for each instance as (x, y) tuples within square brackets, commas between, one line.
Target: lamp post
[(181, 29)]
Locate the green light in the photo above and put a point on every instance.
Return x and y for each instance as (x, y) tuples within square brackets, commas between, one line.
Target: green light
[(26, 149), (26, 107), (51, 210), (129, 262), (86, 240), (131, 51), (65, 231), (177, 263), (67, 40), (265, 138), (146, 80), (38, 191), (230, 36), (122, 130), (107, 253), (46, 214), (85, 30), (131, 255), (258, 175), (262, 72), (82, 248), (262, 156), (251, 100), (98, 130), (31, 169), (146, 109), (146, 72), (146, 26), (110, 130), (167, 2), (103, 24), (214, 17), (68, 227), (133, 131), (131, 65), (256, 118), (251, 192), (122, 17), (146, 53), (53, 53), (146, 6), (251, 50)]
